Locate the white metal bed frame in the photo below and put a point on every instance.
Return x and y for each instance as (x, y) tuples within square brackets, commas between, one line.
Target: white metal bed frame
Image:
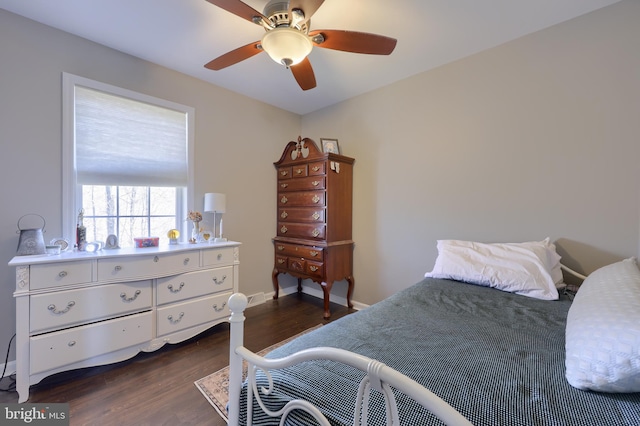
[(379, 377)]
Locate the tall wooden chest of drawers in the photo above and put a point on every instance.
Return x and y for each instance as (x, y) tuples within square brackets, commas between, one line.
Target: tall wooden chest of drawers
[(313, 238)]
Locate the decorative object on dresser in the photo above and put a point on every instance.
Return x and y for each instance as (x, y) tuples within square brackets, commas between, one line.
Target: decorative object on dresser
[(314, 218), (216, 203), (80, 309)]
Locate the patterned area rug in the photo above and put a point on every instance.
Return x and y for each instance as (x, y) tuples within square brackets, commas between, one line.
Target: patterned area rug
[(215, 387)]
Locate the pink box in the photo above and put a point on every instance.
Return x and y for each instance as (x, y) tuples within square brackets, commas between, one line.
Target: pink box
[(142, 242)]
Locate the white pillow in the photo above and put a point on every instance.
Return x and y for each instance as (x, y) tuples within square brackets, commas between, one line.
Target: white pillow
[(603, 331), (521, 268)]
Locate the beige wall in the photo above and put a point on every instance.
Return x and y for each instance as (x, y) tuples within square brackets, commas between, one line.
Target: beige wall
[(236, 139), (534, 138)]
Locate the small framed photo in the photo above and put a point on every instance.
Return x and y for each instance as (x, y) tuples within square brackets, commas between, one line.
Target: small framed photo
[(330, 145)]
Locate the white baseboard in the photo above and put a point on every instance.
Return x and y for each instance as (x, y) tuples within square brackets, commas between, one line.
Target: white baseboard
[(11, 368), (316, 292)]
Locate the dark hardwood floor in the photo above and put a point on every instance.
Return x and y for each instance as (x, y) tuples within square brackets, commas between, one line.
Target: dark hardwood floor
[(157, 388)]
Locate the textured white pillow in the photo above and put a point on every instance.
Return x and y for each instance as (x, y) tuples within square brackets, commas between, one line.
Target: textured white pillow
[(521, 268), (603, 330)]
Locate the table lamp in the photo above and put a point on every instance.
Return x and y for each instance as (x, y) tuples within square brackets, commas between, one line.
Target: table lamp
[(215, 203)]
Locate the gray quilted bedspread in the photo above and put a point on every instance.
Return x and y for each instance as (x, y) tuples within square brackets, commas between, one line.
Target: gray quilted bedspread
[(496, 357)]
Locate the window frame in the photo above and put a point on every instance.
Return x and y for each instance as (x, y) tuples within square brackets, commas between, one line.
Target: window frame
[(71, 191)]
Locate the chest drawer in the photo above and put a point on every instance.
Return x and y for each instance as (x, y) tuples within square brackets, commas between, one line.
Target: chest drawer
[(301, 214), (218, 256), (284, 173), (307, 198), (301, 230), (307, 183), (317, 168), (194, 284), (63, 309), (308, 252), (60, 274), (181, 316), (61, 348), (125, 268)]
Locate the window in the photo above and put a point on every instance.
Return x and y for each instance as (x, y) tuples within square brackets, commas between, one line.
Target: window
[(128, 161)]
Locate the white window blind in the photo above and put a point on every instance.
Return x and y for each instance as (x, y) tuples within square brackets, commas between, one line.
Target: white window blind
[(121, 141)]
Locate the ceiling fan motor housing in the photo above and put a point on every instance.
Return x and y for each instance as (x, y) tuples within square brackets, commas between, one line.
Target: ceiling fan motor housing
[(278, 13)]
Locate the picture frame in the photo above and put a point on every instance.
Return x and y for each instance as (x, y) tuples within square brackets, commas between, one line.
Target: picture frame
[(330, 145)]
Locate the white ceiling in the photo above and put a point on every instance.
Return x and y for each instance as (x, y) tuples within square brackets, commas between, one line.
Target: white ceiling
[(185, 34)]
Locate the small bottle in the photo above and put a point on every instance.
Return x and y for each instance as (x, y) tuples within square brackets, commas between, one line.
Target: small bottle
[(81, 232)]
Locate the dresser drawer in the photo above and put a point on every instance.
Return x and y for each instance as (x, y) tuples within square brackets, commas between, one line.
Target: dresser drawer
[(317, 168), (181, 316), (63, 309), (307, 183), (315, 269), (59, 274), (284, 173), (301, 214), (61, 348), (295, 250), (218, 256), (124, 268), (307, 198), (194, 284), (299, 170), (301, 230)]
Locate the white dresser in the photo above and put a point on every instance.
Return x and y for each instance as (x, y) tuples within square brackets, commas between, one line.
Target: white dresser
[(81, 309)]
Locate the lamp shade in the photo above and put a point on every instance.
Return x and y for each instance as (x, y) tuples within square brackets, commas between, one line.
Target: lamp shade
[(286, 46), (215, 202)]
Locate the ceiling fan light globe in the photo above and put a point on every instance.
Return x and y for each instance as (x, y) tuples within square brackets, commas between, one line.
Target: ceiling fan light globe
[(286, 46)]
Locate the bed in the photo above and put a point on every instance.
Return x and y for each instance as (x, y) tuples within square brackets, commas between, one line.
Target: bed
[(494, 357)]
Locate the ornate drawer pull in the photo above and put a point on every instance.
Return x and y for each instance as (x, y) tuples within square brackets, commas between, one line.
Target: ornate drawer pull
[(118, 268), (172, 321), (220, 309), (71, 343), (299, 171), (315, 183), (284, 215), (52, 308), (156, 259), (170, 287), (315, 216), (313, 268), (186, 261), (281, 261), (315, 232), (315, 199), (280, 248), (215, 280), (284, 200), (315, 168), (283, 229), (313, 253), (124, 297), (284, 173), (284, 185), (62, 274)]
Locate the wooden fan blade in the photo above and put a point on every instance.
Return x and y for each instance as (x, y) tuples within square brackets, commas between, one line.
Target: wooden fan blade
[(309, 7), (303, 73), (356, 42), (240, 9), (235, 56)]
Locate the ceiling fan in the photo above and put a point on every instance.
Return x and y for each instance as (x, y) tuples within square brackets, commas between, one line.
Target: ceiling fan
[(288, 39)]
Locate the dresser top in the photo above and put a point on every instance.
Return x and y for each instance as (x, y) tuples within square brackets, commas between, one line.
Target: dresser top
[(305, 150), (72, 255)]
